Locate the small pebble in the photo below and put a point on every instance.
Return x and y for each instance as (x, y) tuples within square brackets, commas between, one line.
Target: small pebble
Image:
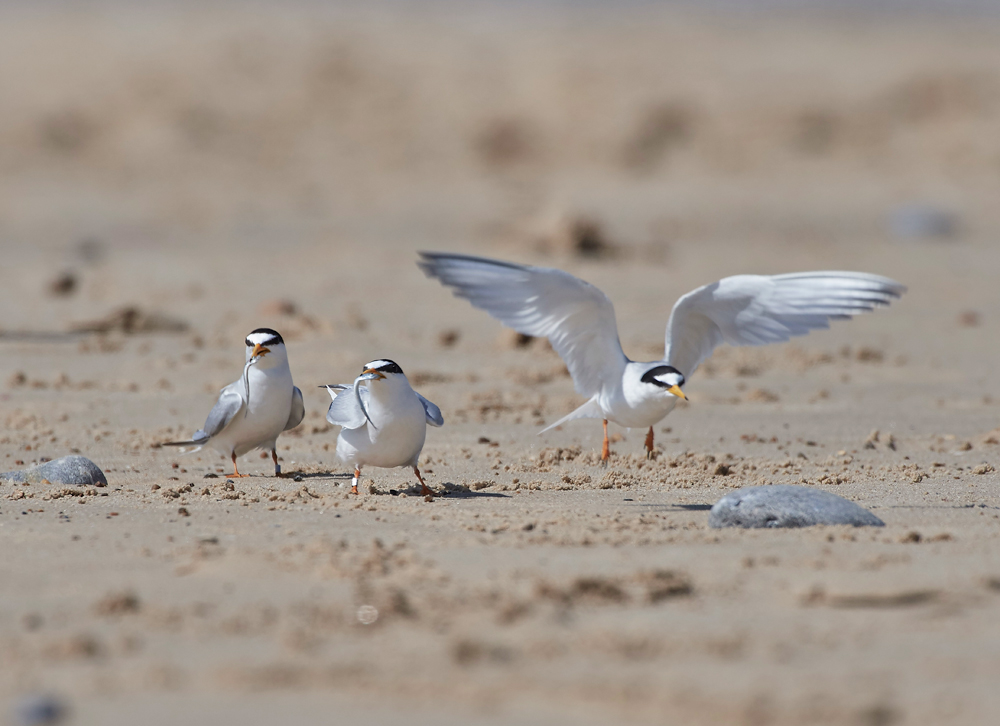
[(448, 338), (64, 285)]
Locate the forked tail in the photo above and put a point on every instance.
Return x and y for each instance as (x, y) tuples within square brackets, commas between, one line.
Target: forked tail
[(591, 409)]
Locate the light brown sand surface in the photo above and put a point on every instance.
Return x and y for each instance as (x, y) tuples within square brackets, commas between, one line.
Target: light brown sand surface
[(205, 165)]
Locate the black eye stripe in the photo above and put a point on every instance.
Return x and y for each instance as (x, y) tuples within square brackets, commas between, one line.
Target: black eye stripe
[(652, 374), (383, 365), (274, 339)]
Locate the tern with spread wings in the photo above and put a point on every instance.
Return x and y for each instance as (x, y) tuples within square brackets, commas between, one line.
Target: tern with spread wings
[(579, 321)]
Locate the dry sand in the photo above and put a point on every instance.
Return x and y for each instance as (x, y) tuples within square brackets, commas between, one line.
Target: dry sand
[(236, 168)]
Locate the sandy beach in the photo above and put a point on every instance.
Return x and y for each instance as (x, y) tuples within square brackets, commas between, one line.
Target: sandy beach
[(171, 179)]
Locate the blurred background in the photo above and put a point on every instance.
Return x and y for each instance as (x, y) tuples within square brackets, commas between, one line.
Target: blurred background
[(292, 157)]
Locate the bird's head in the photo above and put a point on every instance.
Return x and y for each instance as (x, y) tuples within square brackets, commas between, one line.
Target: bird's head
[(382, 370), (266, 349), (666, 378)]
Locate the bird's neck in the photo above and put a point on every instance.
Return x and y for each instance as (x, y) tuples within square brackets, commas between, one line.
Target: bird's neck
[(386, 391), (263, 375)]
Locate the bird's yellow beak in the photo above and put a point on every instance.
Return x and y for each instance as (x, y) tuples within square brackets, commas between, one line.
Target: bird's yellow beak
[(378, 376), (676, 390), (259, 350)]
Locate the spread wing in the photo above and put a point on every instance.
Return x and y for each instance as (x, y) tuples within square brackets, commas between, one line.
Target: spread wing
[(434, 417), (345, 409), (576, 317), (759, 309), (298, 411)]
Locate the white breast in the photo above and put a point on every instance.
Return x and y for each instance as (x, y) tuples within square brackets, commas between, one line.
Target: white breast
[(266, 416), (399, 432), (635, 404)]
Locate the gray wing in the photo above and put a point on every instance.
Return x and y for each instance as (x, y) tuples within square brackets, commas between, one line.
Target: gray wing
[(434, 417), (230, 403), (345, 410), (576, 317), (760, 309), (298, 411)]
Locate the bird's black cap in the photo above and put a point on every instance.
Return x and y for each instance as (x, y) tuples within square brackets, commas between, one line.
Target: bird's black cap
[(273, 337)]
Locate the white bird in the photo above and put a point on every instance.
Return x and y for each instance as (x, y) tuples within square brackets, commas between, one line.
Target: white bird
[(384, 422), (579, 321), (253, 411)]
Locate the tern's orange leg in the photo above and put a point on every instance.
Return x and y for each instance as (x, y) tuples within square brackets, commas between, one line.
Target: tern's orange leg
[(605, 451), (236, 472), (277, 466), (424, 490), (357, 476), (649, 443)]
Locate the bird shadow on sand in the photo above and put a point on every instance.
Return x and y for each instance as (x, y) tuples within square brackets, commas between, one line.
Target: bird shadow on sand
[(299, 476), (671, 507), (936, 506), (447, 489), (454, 491)]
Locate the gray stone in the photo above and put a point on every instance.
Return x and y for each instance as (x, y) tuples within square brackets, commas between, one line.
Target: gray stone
[(69, 470), (785, 505), (39, 710), (922, 221)]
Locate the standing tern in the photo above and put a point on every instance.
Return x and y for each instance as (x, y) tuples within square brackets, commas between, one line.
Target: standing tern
[(253, 411), (384, 421), (579, 321)]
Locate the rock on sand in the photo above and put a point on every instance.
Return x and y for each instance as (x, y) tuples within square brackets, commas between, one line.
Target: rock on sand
[(785, 505), (69, 470)]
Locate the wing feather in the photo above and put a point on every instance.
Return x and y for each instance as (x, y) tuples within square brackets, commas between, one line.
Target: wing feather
[(230, 403), (576, 317), (298, 411), (345, 410), (759, 309), (226, 408), (434, 417)]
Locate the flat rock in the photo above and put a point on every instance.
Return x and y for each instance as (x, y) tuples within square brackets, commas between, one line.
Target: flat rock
[(923, 221), (69, 471), (39, 710), (786, 505)]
